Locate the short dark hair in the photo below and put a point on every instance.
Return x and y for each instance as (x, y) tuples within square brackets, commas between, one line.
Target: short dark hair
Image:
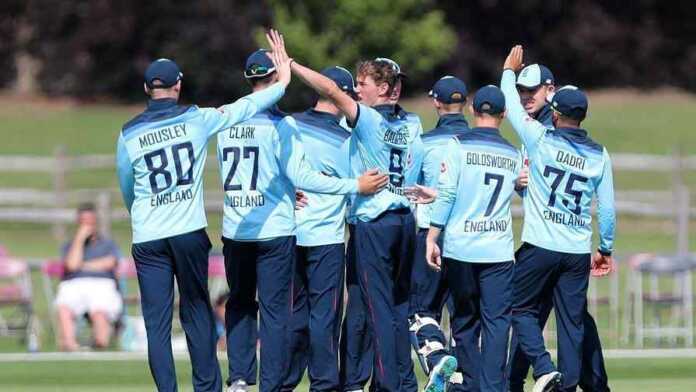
[(86, 207)]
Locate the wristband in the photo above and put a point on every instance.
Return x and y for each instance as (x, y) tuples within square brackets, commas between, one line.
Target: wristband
[(604, 252)]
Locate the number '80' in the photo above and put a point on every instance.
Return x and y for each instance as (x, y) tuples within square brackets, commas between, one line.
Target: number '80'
[(157, 163)]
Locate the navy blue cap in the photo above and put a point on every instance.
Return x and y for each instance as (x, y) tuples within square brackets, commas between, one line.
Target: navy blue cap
[(571, 102), (449, 89), (535, 75), (259, 65), (489, 99), (164, 70), (342, 77)]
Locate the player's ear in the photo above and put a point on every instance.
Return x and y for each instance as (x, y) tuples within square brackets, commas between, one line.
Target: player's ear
[(551, 89), (503, 114), (383, 89), (147, 90), (177, 87)]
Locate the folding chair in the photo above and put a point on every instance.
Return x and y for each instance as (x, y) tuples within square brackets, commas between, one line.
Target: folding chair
[(52, 271), (16, 302), (675, 272)]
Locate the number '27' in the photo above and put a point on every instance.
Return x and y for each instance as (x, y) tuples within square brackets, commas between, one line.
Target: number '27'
[(237, 153)]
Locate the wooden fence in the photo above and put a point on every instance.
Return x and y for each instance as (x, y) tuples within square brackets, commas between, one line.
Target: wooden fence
[(55, 207)]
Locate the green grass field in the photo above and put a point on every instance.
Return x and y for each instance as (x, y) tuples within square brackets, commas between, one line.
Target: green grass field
[(625, 375)]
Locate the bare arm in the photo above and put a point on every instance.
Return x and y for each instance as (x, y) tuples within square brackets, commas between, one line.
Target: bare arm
[(318, 82), (100, 264), (75, 257)]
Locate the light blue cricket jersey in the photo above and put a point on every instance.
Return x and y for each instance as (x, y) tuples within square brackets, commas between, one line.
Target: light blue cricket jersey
[(435, 147), (322, 221), (567, 169), (262, 162), (474, 193), (160, 158), (388, 139)]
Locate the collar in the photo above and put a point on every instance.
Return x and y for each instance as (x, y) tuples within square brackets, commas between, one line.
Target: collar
[(573, 132), (275, 110), (452, 120), (390, 111), (161, 104), (487, 130), (324, 116), (544, 114)]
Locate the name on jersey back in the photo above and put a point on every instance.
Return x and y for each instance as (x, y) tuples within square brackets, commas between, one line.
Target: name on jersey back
[(491, 160), (162, 135)]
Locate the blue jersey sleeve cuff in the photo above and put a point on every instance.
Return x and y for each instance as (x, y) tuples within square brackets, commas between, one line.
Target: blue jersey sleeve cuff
[(354, 123), (437, 225), (604, 252)]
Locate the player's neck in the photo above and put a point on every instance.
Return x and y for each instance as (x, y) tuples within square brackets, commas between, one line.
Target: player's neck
[(486, 122), (164, 94), (326, 107), (441, 112), (383, 101), (567, 124)]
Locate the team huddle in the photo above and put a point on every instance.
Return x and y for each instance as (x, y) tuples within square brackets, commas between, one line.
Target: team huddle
[(429, 225)]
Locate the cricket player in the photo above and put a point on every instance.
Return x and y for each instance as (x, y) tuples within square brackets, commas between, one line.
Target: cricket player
[(477, 254), (567, 170), (429, 288), (357, 351), (384, 224), (536, 86), (262, 162), (319, 271), (160, 158), (360, 345)]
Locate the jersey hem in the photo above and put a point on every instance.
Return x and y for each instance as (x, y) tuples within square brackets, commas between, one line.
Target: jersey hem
[(176, 233), (555, 249)]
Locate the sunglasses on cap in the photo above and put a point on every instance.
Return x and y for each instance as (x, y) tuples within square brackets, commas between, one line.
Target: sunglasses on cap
[(258, 70), (391, 62)]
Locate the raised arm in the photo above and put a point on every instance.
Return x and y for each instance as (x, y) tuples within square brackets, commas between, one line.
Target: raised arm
[(247, 106), (318, 82), (244, 108), (528, 129), (124, 169)]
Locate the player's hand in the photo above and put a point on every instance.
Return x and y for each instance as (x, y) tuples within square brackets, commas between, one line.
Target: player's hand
[(85, 231), (420, 194), (301, 200), (514, 59), (279, 55), (601, 265), (432, 255), (523, 179), (372, 182)]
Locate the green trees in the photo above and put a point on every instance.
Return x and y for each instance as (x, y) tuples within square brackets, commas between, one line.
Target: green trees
[(99, 48), (322, 33)]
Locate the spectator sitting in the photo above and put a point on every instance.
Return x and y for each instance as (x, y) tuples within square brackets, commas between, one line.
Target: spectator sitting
[(89, 282)]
